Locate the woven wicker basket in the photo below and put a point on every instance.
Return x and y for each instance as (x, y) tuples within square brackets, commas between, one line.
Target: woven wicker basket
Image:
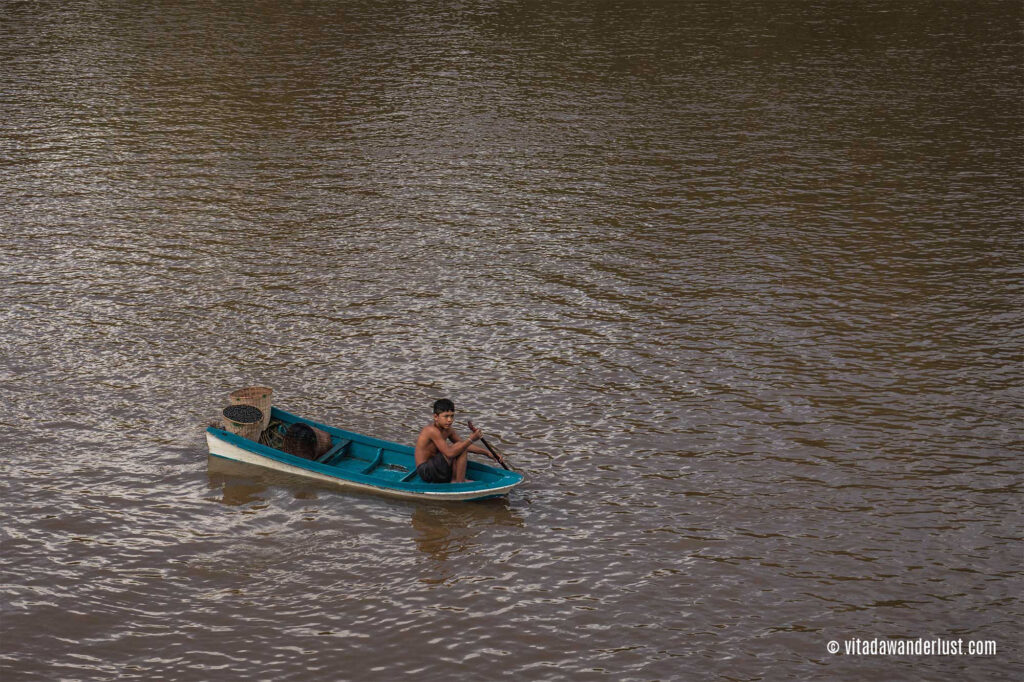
[(323, 441), (306, 441), (257, 396), (250, 430)]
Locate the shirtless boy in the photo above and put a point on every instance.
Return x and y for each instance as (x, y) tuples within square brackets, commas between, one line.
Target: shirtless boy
[(441, 456)]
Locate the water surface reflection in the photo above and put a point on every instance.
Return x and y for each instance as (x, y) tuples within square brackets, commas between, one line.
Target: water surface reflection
[(738, 283)]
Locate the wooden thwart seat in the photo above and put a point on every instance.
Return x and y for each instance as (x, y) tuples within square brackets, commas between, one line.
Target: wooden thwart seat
[(377, 460), (335, 453)]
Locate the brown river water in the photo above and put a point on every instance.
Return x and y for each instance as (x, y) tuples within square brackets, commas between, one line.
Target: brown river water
[(737, 285)]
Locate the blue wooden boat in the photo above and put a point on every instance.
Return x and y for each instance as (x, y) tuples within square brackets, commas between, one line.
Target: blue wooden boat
[(361, 462)]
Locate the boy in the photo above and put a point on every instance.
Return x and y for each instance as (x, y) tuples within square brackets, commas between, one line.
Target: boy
[(441, 456)]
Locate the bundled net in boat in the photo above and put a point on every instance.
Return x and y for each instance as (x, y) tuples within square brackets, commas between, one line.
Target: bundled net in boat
[(273, 435)]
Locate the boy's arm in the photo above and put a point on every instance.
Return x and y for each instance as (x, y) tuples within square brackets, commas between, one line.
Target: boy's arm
[(457, 447), (475, 449), (423, 441)]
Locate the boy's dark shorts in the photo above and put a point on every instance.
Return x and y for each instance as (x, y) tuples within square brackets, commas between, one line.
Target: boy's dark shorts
[(437, 469)]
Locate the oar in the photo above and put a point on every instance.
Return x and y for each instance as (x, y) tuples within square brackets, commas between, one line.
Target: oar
[(497, 457)]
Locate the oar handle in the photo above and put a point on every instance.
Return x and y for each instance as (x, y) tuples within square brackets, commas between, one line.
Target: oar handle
[(494, 455)]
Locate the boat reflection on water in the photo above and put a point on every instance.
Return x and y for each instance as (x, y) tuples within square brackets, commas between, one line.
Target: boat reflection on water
[(442, 528), (242, 483), (445, 529)]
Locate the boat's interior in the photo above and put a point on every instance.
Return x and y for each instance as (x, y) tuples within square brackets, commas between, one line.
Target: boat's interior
[(349, 456), (360, 455)]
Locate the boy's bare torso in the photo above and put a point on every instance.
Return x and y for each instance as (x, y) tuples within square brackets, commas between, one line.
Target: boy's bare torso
[(426, 447)]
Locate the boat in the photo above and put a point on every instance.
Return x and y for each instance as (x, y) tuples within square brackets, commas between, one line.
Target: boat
[(358, 462)]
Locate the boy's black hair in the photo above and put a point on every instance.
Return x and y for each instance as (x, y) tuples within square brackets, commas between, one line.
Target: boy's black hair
[(443, 405)]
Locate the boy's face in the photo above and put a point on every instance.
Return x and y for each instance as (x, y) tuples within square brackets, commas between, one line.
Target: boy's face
[(444, 420)]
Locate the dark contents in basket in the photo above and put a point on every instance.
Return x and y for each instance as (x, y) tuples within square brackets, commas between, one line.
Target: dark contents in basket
[(243, 414), (300, 440)]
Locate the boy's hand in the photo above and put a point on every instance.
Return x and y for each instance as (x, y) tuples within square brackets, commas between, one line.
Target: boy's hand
[(476, 435), (494, 454)]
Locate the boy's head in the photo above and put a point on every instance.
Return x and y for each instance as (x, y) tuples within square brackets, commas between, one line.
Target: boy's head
[(443, 405)]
